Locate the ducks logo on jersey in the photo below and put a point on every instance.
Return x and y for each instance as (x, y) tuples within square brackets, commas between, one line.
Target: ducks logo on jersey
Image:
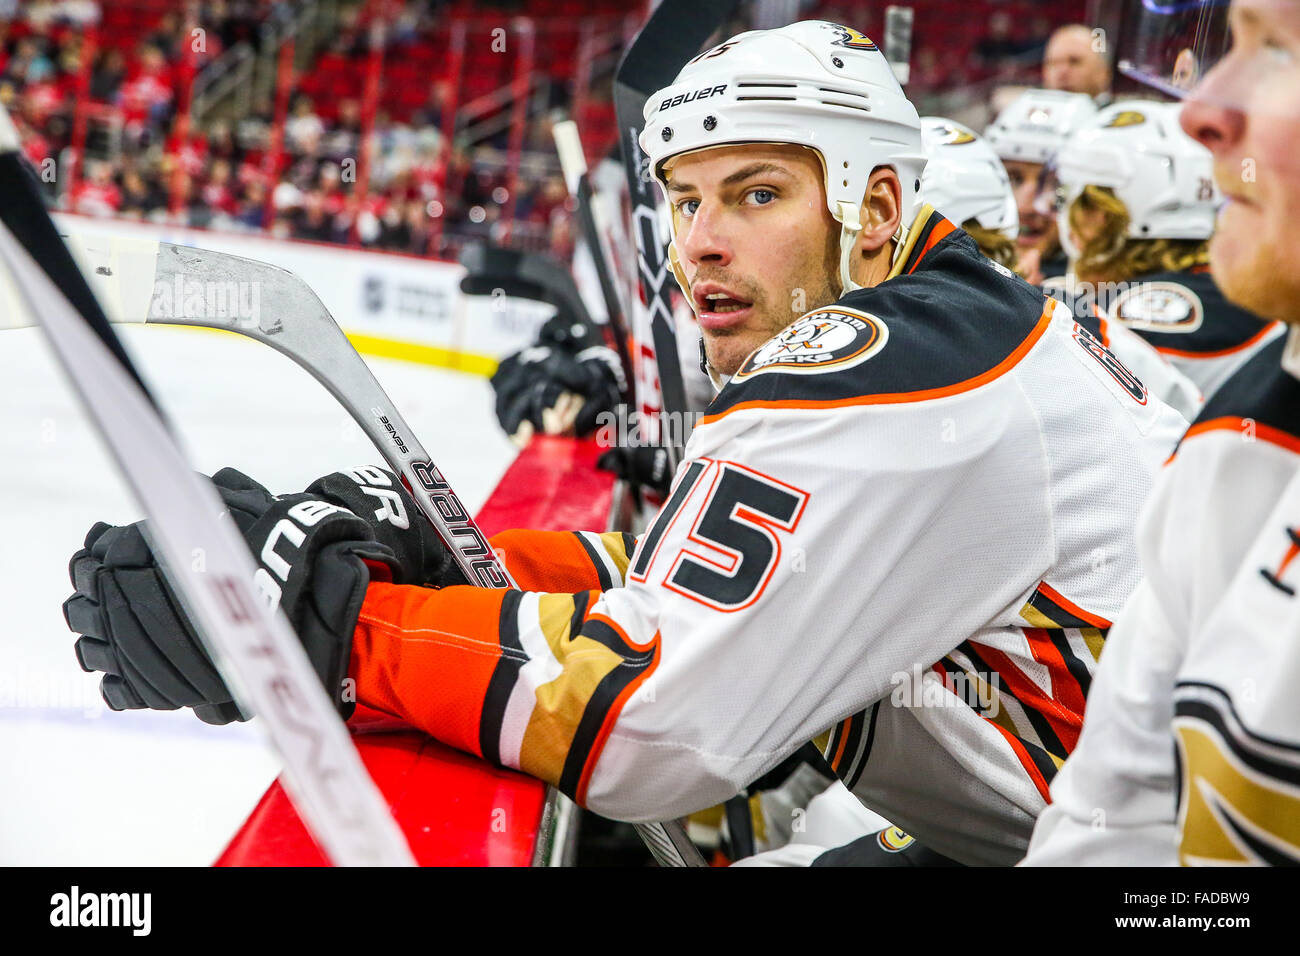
[(1158, 307), (826, 340)]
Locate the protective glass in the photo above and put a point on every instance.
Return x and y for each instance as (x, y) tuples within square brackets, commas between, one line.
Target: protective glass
[(1171, 44)]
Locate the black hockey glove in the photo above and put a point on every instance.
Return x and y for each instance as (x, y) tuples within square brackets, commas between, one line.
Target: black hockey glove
[(549, 389), (318, 556), (378, 496), (643, 465)]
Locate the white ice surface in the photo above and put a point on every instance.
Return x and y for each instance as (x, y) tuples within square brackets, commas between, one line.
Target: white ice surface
[(81, 785)]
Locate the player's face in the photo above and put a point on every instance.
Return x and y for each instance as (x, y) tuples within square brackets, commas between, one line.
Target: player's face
[(1034, 223), (757, 244), (1246, 111), (1070, 63)]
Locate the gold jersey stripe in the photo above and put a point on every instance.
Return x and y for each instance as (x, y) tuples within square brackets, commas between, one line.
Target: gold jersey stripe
[(1217, 786), (561, 703)]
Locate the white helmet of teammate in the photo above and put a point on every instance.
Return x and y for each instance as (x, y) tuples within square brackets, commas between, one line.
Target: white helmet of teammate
[(1163, 176), (964, 179), (1037, 122), (813, 84)]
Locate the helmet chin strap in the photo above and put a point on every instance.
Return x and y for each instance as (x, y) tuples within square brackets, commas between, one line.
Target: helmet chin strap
[(850, 226)]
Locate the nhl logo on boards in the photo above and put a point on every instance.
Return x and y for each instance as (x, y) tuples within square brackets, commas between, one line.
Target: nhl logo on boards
[(1159, 307), (826, 340)]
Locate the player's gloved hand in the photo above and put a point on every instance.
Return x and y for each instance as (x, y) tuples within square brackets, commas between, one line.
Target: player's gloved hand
[(317, 560), (556, 391), (378, 496), (645, 465)]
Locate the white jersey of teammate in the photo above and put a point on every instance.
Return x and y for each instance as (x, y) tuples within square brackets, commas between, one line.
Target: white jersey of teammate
[(1191, 749)]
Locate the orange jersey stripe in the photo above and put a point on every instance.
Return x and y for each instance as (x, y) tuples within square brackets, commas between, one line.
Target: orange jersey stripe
[(1274, 436), (1026, 761), (1253, 340), (923, 395), (1064, 711), (1073, 608), (941, 229)]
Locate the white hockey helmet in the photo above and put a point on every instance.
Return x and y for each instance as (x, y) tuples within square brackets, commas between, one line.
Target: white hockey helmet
[(964, 179), (1037, 122), (813, 84), (1163, 176)]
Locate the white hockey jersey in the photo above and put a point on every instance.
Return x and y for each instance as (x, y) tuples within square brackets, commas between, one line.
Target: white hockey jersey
[(908, 517), (1185, 317), (1191, 748)]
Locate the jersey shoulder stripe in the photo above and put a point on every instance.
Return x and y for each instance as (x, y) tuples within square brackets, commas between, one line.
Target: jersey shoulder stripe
[(950, 325), (1260, 398)]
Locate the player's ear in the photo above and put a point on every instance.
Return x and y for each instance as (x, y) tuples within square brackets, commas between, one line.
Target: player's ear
[(882, 208)]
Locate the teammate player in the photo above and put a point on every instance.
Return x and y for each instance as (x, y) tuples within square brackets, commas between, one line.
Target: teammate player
[(1138, 207), (907, 516), (967, 183), (1027, 135), (1191, 749)]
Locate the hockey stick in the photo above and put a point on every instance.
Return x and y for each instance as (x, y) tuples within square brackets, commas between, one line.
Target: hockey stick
[(574, 165), (672, 35), (898, 41), (135, 279), (254, 648)]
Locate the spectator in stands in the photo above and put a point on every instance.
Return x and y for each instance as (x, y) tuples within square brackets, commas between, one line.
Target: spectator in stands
[(142, 197), (304, 129), (96, 195), (251, 211), (1076, 62), (312, 222), (146, 98), (108, 76)]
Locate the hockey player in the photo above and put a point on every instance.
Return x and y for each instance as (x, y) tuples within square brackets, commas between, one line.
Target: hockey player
[(1136, 213), (1191, 749), (906, 517), (966, 182), (1027, 135)]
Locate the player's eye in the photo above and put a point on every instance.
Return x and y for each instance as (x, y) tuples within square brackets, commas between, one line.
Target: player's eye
[(1278, 53), (686, 208), (760, 197)]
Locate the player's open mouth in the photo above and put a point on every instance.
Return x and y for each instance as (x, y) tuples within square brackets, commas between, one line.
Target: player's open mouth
[(717, 306)]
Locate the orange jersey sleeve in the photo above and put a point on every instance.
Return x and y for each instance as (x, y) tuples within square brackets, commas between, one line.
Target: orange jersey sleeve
[(565, 561), (448, 661)]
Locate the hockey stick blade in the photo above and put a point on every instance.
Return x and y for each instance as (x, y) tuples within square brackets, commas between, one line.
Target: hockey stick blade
[(254, 648), (152, 282)]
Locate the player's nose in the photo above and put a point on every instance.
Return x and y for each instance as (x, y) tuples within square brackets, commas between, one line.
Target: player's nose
[(1210, 114), (705, 237)]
